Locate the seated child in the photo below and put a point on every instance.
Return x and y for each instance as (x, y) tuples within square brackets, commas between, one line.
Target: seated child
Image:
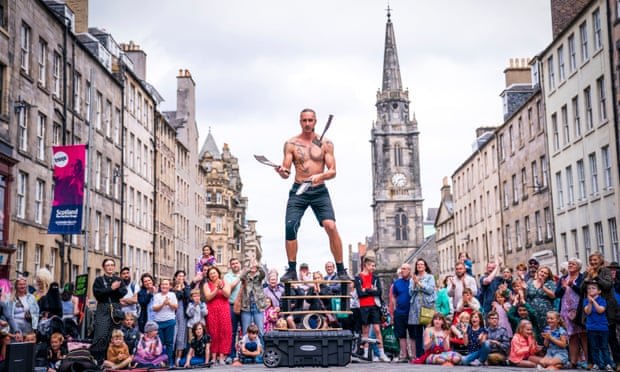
[(498, 340), (501, 306), (281, 324), (199, 347), (196, 312), (520, 312), (459, 329), (131, 334), (251, 347), (118, 356), (5, 339), (149, 351), (30, 337), (271, 315), (476, 341), (468, 301), (523, 347), (555, 339), (55, 352)]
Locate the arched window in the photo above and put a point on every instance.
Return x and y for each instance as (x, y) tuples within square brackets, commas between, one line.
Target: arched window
[(401, 225)]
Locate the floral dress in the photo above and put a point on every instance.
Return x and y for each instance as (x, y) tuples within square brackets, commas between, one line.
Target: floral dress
[(540, 302), (271, 317), (437, 354), (568, 311)]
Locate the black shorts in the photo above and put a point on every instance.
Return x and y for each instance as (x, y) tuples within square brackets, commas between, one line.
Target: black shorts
[(317, 198), (370, 315), (401, 326)]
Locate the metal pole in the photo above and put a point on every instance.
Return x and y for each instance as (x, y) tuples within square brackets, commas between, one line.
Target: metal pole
[(64, 134), (90, 170)]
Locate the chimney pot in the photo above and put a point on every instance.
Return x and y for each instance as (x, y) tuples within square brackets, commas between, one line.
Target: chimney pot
[(180, 72)]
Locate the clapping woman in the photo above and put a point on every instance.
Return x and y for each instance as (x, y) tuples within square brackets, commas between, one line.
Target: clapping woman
[(217, 291)]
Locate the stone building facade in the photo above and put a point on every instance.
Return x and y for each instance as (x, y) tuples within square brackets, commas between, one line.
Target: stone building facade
[(146, 186), (226, 230), (582, 135), (527, 220), (190, 197), (59, 92)]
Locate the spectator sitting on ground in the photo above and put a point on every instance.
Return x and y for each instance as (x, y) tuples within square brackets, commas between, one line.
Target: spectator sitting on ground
[(498, 339), (251, 348), (118, 356), (149, 353), (131, 334), (199, 347)]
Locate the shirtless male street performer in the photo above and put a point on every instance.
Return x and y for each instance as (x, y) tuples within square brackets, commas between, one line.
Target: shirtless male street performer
[(315, 164)]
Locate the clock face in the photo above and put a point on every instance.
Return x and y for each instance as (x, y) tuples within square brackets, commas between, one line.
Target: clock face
[(399, 180)]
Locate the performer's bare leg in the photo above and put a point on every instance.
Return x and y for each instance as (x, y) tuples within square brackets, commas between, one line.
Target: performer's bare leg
[(291, 250), (335, 243)]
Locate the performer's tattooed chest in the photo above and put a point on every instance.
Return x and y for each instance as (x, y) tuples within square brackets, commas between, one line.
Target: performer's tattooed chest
[(307, 156)]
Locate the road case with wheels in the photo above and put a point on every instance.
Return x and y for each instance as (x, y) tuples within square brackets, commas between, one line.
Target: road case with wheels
[(317, 348)]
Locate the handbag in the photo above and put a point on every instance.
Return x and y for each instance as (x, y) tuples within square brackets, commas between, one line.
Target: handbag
[(116, 313), (237, 303), (27, 314), (426, 314)]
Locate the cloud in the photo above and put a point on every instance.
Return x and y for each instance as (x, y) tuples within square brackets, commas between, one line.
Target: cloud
[(257, 64)]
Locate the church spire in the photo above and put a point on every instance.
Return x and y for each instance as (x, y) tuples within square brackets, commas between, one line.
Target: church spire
[(391, 68)]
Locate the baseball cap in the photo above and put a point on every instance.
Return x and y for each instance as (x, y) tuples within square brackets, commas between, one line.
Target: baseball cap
[(304, 266)]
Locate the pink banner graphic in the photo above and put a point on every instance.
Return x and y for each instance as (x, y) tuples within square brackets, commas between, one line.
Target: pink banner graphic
[(68, 201)]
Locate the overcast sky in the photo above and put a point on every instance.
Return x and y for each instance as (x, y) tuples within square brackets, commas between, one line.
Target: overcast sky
[(256, 64)]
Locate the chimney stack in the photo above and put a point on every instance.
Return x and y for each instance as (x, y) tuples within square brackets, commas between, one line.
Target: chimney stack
[(564, 12), (80, 10), (138, 57), (518, 72), (445, 190)]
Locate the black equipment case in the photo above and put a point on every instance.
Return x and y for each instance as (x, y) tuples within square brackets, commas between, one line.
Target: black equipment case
[(319, 348)]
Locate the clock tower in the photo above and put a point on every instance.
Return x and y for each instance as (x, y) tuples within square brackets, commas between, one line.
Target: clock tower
[(396, 193)]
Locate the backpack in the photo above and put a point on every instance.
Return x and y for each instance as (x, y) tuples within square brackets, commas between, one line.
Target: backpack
[(79, 360)]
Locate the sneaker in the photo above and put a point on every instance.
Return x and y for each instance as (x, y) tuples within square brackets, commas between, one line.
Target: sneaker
[(289, 275), (478, 363), (539, 367), (344, 275), (384, 358), (609, 368), (594, 368), (228, 360), (375, 358)]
